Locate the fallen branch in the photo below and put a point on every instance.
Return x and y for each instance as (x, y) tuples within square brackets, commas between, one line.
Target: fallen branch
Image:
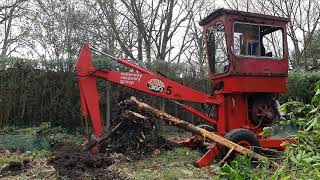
[(171, 120), (225, 157)]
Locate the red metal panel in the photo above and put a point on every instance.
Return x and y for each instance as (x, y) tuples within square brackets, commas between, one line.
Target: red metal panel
[(272, 143), (260, 66), (222, 116), (253, 84), (157, 85), (88, 90), (237, 115), (84, 107), (206, 159), (276, 142), (135, 67)]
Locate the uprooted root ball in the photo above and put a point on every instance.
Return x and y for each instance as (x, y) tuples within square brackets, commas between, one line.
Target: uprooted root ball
[(135, 135)]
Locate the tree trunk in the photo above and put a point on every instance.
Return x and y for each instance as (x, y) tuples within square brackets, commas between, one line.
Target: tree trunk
[(7, 29), (171, 120)]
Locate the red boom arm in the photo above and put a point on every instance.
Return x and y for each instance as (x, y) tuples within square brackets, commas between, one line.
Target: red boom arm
[(145, 81)]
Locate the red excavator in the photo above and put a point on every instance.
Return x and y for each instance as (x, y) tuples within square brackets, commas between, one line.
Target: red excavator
[(248, 63)]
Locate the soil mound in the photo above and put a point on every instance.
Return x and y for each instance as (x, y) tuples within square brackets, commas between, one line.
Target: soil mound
[(132, 137), (71, 162), (14, 168)]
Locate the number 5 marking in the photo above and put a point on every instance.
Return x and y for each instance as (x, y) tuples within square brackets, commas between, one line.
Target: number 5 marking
[(168, 92)]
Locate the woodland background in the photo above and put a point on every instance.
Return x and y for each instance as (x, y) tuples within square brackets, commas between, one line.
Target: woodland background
[(40, 41)]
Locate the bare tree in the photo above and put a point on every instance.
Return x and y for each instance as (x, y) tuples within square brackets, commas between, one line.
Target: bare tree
[(11, 13), (154, 24), (195, 53), (58, 31)]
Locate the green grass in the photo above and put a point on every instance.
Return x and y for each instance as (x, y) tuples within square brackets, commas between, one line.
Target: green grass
[(6, 159), (175, 164), (16, 157)]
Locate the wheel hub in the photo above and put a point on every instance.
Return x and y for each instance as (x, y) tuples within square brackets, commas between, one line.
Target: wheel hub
[(262, 111)]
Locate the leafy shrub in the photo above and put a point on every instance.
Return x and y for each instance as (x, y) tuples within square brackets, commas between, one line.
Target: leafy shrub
[(241, 168), (300, 87), (303, 158)]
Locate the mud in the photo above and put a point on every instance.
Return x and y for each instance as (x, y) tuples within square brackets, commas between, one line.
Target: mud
[(71, 162), (14, 168)]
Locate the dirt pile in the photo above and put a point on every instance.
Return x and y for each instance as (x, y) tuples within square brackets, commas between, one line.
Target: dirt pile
[(14, 168), (132, 138), (135, 136), (71, 162)]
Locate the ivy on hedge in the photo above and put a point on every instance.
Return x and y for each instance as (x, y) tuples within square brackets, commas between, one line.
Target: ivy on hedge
[(300, 87)]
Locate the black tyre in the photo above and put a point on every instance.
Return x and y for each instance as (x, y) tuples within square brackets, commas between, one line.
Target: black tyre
[(242, 137)]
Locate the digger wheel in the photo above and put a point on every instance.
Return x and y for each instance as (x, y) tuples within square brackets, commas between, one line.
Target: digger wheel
[(242, 137)]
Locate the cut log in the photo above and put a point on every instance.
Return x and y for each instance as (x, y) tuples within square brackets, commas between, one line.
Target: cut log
[(171, 120)]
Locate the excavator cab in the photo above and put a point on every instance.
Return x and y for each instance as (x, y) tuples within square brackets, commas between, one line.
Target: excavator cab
[(246, 45), (248, 63)]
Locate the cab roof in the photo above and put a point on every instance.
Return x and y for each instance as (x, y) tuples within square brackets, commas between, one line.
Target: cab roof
[(242, 14)]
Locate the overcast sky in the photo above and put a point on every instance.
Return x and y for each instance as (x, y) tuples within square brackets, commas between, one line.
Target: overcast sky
[(176, 41)]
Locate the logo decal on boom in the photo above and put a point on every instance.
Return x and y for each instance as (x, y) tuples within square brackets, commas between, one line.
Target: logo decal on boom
[(156, 85)]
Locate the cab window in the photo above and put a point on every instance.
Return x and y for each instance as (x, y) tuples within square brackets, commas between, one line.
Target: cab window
[(217, 49), (257, 40)]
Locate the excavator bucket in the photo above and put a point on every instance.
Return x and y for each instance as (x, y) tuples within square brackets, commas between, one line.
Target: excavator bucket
[(88, 89)]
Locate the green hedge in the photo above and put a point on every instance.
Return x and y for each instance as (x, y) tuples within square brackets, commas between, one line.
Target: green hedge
[(300, 86), (32, 92)]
